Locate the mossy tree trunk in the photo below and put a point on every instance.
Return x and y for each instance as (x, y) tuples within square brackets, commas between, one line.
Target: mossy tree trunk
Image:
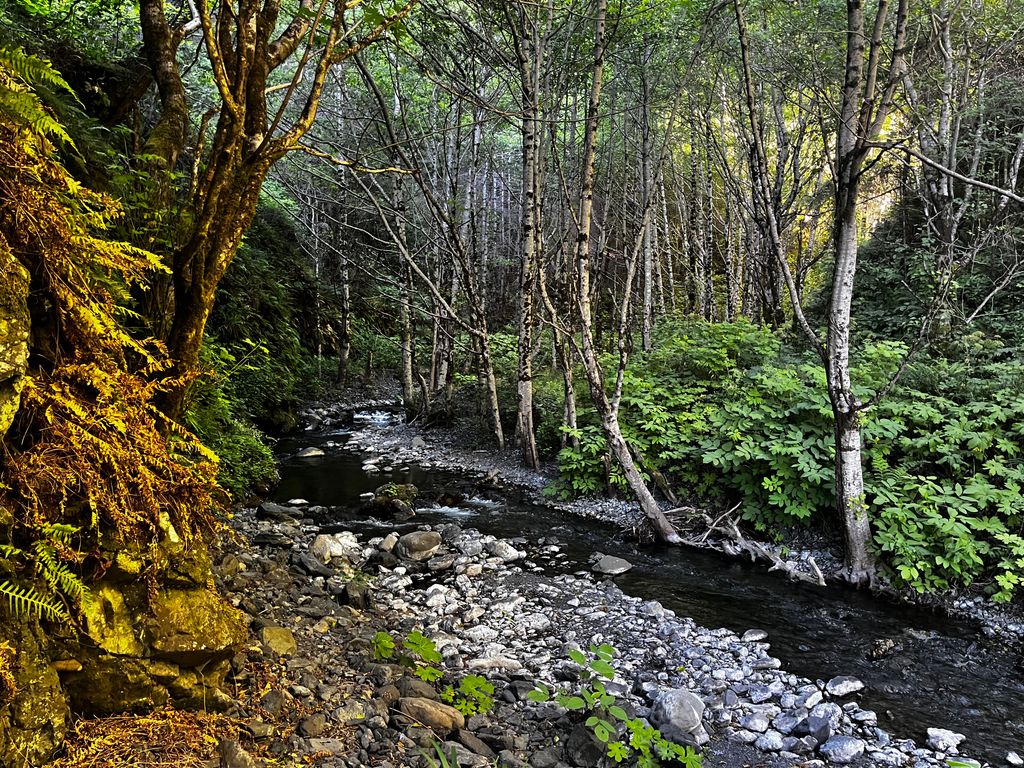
[(255, 127)]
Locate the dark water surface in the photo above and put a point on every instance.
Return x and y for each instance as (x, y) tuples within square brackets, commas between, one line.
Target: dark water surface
[(947, 675)]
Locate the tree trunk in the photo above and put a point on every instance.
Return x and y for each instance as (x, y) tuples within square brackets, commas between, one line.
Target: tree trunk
[(609, 417)]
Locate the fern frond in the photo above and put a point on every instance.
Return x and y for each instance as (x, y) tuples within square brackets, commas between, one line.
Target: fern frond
[(59, 531), (59, 576), (32, 70), (25, 601), (10, 552)]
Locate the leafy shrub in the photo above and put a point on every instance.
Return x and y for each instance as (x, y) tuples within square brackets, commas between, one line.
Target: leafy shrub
[(473, 694), (625, 738), (742, 422), (246, 462)]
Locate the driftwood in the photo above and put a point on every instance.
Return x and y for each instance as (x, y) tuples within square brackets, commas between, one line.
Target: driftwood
[(730, 540), (735, 543)]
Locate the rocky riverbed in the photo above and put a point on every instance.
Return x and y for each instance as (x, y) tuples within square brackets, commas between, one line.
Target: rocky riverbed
[(384, 441), (316, 601)]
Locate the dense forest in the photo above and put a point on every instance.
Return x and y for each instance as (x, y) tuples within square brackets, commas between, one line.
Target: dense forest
[(749, 257)]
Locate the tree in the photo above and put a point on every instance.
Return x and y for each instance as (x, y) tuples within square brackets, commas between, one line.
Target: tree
[(262, 115)]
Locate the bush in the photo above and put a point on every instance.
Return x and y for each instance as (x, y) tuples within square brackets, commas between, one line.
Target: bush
[(723, 412), (246, 462)]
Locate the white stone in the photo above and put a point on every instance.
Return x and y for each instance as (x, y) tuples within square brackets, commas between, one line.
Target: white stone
[(943, 740)]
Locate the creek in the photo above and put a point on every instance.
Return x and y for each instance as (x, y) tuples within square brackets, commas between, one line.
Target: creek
[(944, 674)]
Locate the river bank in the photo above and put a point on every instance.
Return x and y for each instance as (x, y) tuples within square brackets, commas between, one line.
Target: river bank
[(489, 608), (386, 442)]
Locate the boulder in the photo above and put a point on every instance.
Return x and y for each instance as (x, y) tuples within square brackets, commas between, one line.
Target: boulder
[(842, 749), (268, 510), (392, 501), (678, 714), (610, 565), (419, 545), (194, 627), (326, 547), (843, 686), (278, 640), (311, 452), (943, 740), (439, 717), (503, 550)]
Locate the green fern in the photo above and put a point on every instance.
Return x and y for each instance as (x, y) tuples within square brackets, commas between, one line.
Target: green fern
[(25, 601), (19, 72), (58, 576)]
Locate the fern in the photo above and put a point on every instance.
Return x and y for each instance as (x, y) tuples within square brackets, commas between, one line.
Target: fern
[(31, 69), (26, 601), (18, 72), (58, 575)]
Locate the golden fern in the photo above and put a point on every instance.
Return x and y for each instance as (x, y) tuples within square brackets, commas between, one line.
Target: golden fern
[(89, 448), (18, 72)]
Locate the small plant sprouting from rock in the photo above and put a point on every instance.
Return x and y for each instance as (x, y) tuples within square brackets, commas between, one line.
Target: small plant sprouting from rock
[(417, 652), (473, 695), (625, 738)]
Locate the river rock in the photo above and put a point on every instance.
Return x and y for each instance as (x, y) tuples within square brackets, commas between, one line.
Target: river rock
[(943, 740), (312, 452), (1012, 758), (232, 755), (754, 636), (418, 443), (610, 565), (278, 640), (678, 714), (842, 749), (439, 717), (757, 722), (769, 741), (268, 510), (504, 550), (419, 545), (583, 748), (843, 686), (326, 547), (310, 565), (313, 726)]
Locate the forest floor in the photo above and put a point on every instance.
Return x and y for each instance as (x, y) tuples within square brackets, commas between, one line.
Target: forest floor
[(466, 448)]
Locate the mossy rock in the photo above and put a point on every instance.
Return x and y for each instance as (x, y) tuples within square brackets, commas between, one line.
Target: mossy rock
[(15, 327), (109, 684), (394, 501), (404, 492), (110, 619), (33, 725), (194, 627)]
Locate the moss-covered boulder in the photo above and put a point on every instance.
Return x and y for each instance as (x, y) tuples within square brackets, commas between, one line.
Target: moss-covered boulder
[(33, 725), (393, 501), (194, 627)]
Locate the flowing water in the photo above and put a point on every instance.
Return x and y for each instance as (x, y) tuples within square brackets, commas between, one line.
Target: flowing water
[(946, 675)]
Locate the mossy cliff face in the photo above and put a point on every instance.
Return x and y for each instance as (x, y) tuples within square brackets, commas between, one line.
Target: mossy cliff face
[(136, 651), (14, 335)]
